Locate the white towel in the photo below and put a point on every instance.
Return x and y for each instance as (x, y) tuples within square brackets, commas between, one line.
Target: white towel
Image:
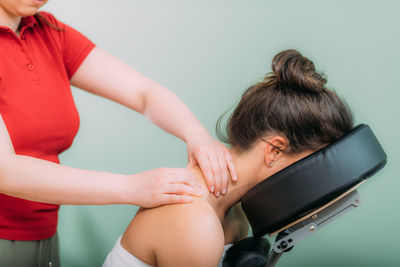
[(120, 257)]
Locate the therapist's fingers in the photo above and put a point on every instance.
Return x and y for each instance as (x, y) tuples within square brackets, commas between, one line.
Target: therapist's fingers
[(217, 172), (205, 167), (163, 186), (215, 162), (180, 175), (175, 199), (231, 165), (183, 189), (224, 173)]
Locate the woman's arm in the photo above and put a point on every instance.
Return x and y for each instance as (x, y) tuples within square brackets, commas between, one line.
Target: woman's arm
[(235, 224), (104, 75), (43, 181)]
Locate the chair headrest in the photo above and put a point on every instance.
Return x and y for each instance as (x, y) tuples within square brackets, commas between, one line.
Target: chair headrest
[(313, 181)]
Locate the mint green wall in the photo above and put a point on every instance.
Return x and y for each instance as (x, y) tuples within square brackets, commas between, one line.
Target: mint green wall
[(208, 52)]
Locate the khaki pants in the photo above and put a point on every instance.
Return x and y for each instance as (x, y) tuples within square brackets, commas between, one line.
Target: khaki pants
[(41, 253)]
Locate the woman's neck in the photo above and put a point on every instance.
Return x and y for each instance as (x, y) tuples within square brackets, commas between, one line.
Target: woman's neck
[(8, 20), (251, 169), (248, 166)]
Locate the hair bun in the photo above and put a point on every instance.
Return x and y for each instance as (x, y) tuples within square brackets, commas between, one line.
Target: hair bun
[(290, 67)]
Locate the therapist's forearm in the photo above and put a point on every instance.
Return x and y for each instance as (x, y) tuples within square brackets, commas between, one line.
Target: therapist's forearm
[(48, 182), (168, 112), (106, 76)]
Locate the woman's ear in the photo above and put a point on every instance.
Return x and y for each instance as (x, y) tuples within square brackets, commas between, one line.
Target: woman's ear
[(273, 149)]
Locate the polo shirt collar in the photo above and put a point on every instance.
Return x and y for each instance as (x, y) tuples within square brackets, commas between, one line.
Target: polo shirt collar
[(26, 22)]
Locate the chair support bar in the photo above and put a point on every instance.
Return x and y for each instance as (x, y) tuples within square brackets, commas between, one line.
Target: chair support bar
[(298, 232)]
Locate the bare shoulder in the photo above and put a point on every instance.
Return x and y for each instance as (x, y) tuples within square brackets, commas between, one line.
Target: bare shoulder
[(194, 237), (177, 235)]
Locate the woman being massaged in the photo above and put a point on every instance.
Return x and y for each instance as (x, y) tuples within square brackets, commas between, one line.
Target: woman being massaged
[(277, 122)]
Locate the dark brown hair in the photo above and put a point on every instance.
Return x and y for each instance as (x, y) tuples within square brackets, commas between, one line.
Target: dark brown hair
[(42, 19), (292, 101)]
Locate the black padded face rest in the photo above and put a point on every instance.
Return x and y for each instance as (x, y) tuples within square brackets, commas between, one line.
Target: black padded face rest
[(313, 181)]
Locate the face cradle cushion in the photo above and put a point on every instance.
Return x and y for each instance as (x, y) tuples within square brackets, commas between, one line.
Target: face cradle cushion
[(313, 181)]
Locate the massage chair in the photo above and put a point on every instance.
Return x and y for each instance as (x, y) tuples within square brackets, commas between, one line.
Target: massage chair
[(305, 196)]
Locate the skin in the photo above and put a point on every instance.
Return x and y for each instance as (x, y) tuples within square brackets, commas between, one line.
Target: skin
[(11, 11), (106, 76), (172, 234)]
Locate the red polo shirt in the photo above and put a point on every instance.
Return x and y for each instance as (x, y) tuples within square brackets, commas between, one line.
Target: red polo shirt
[(38, 110)]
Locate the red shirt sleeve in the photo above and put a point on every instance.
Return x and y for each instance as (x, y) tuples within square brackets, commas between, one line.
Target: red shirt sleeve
[(75, 46)]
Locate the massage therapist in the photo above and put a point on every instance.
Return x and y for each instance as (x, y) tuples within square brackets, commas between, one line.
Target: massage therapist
[(40, 58)]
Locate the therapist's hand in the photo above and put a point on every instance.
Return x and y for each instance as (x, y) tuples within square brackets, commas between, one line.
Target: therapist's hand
[(163, 186), (215, 161)]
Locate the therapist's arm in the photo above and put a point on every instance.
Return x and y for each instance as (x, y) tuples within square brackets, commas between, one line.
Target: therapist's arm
[(43, 181), (106, 76)]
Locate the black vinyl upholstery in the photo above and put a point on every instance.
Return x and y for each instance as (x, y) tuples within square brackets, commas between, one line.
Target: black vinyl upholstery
[(249, 252), (313, 181)]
